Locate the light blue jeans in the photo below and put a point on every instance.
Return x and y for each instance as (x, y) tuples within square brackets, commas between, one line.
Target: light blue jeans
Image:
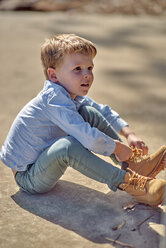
[(42, 176)]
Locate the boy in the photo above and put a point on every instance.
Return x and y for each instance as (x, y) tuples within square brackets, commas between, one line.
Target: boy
[(61, 127)]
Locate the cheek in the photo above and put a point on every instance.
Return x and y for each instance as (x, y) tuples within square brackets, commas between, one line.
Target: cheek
[(92, 77), (76, 78)]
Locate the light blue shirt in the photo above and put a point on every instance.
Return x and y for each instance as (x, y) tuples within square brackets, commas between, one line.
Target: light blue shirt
[(52, 114)]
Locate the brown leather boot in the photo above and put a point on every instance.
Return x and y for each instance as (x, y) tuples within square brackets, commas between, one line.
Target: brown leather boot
[(148, 165), (144, 189)]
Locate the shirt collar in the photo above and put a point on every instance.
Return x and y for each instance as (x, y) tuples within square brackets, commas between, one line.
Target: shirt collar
[(77, 101)]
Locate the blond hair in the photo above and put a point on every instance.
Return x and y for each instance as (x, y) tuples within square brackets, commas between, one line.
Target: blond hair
[(54, 49)]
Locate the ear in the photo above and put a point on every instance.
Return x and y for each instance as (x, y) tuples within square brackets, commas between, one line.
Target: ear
[(51, 74)]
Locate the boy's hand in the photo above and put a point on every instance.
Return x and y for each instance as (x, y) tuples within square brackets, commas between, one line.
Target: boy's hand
[(134, 141), (122, 151)]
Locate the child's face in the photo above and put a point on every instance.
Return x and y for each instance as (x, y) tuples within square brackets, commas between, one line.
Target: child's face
[(75, 74)]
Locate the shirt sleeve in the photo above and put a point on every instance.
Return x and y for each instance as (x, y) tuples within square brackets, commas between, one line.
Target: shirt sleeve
[(112, 116), (62, 111)]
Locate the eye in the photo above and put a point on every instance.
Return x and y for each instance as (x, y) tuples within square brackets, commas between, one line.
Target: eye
[(90, 68), (78, 68)]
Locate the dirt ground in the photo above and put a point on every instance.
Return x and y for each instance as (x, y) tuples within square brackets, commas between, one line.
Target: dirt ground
[(130, 72)]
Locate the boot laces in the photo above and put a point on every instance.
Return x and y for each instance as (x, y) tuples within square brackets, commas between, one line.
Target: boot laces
[(138, 181), (137, 155)]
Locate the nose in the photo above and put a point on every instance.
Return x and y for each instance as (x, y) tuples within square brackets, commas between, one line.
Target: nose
[(88, 74)]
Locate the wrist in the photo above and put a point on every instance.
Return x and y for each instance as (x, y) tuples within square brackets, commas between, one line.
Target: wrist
[(131, 133), (126, 132)]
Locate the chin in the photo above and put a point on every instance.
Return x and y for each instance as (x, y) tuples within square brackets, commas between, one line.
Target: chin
[(85, 93)]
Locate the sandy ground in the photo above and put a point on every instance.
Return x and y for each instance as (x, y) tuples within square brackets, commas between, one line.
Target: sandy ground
[(130, 71)]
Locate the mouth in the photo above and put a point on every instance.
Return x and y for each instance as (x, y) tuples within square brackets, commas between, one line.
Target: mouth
[(85, 85)]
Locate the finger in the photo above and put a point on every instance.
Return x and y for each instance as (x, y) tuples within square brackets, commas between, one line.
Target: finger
[(145, 150), (118, 158), (139, 145)]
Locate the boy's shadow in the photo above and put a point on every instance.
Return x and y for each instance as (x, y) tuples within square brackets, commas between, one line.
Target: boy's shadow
[(90, 213)]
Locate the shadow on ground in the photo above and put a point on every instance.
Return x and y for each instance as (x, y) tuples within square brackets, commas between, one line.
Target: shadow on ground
[(92, 214)]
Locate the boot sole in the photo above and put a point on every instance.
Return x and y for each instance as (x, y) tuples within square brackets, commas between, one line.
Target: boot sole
[(154, 204), (159, 167)]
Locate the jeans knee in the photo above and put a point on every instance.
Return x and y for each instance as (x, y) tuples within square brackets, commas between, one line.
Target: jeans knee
[(83, 110), (70, 144), (64, 147), (89, 114)]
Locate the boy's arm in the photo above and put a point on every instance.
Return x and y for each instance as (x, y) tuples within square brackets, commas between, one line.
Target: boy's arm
[(112, 116), (119, 125), (133, 140), (61, 111)]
